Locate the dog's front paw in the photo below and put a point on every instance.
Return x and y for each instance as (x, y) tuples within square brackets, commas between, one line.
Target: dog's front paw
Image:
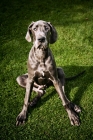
[(20, 119), (74, 119), (73, 111)]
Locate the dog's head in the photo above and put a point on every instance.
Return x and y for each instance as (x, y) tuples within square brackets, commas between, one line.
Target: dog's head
[(41, 33)]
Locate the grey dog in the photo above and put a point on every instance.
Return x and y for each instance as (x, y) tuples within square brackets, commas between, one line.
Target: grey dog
[(42, 70)]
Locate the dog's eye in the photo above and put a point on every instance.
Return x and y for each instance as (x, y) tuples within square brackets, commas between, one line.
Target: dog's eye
[(46, 28), (35, 29)]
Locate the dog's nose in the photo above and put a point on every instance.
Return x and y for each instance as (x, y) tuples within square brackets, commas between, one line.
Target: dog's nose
[(42, 39)]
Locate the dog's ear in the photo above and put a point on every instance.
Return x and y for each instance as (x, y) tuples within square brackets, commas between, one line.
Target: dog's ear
[(53, 35), (28, 34)]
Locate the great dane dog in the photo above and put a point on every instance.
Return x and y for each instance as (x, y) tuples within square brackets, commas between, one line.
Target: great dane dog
[(42, 71)]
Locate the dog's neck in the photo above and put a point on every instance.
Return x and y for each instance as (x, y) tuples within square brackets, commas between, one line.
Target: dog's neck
[(41, 54)]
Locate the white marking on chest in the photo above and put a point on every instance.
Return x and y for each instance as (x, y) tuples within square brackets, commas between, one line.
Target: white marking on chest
[(42, 73)]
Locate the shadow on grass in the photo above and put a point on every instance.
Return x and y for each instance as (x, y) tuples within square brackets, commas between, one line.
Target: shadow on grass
[(82, 82)]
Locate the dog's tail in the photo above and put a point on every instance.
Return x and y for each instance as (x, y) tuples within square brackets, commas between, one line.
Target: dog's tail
[(75, 76)]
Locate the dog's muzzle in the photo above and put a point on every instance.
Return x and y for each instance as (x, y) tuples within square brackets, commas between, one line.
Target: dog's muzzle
[(42, 43)]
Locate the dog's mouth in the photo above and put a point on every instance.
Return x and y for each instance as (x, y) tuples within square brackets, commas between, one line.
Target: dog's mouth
[(42, 47)]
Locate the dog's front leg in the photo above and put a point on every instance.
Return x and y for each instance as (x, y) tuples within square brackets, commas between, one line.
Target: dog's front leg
[(71, 109), (60, 90), (22, 116)]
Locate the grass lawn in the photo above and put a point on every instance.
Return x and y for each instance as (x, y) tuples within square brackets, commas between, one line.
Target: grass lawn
[(73, 51)]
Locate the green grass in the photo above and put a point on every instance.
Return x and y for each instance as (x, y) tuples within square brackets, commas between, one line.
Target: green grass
[(73, 51)]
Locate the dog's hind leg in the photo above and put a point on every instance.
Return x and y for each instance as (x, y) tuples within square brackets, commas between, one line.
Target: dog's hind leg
[(39, 89), (35, 100), (22, 80)]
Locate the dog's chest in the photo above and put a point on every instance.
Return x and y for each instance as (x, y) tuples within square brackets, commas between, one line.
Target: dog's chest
[(42, 74)]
